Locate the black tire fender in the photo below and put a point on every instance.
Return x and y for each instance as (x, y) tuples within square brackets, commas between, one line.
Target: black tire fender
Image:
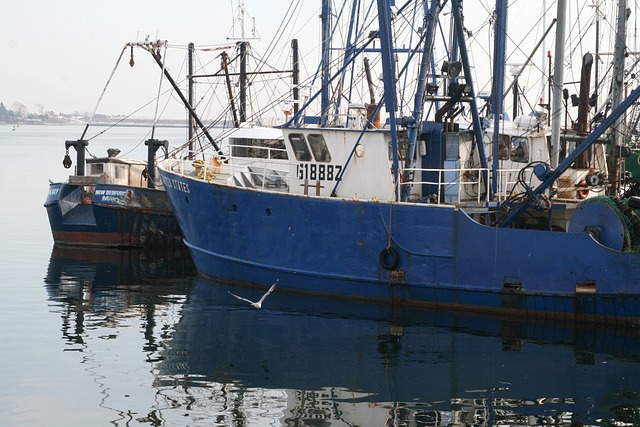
[(388, 258)]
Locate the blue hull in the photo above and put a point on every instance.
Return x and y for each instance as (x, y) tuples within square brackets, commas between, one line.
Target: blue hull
[(114, 216), (437, 256)]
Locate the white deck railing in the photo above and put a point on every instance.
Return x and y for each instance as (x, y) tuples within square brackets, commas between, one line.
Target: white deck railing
[(452, 186), (465, 184), (242, 171)]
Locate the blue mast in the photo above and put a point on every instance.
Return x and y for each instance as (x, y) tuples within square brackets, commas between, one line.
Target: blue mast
[(350, 48), (389, 76), (498, 83), (431, 15), (456, 6)]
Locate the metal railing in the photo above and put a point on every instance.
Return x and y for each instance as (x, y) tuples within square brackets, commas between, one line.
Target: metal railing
[(240, 171), (450, 186), (462, 185)]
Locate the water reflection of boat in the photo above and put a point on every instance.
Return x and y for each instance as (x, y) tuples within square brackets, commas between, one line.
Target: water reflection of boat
[(303, 358), (77, 273), (114, 307)]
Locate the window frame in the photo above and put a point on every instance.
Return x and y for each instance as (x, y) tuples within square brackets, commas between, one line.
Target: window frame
[(319, 148), (300, 147), (523, 142)]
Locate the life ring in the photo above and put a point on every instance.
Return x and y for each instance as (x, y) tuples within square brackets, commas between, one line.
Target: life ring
[(582, 194), (388, 258)]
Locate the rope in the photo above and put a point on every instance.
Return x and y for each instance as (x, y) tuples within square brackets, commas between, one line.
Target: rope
[(390, 225), (103, 91), (155, 114)]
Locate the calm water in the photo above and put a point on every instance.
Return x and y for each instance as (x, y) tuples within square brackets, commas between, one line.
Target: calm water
[(131, 338)]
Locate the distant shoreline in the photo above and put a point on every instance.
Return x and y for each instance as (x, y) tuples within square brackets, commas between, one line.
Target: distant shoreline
[(137, 123)]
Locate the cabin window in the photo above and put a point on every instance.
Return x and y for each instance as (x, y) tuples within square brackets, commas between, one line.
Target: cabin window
[(519, 149), (247, 147), (277, 150), (258, 148), (96, 169), (503, 147), (300, 148), (319, 147), (121, 172)]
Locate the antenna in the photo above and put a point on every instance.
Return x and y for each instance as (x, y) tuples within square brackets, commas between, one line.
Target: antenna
[(240, 18)]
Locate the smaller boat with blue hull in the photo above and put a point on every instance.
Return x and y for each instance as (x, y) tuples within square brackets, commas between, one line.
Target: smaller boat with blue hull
[(115, 204), (428, 206)]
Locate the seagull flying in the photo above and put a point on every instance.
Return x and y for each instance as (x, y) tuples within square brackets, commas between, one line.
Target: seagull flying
[(259, 303)]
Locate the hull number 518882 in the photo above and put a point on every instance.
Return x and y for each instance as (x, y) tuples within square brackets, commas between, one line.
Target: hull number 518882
[(322, 172)]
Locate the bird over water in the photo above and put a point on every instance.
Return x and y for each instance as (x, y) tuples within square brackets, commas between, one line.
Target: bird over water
[(257, 304)]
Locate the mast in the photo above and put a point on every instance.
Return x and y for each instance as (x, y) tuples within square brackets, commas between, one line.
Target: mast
[(348, 58), (190, 95), (456, 6), (224, 59), (295, 75), (243, 46), (326, 46), (599, 17), (498, 84), (243, 81), (617, 91), (543, 51), (558, 83), (515, 97), (581, 126), (426, 63), (389, 77), (582, 123), (373, 115)]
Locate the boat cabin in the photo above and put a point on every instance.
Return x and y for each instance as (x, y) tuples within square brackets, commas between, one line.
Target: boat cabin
[(113, 170), (257, 143), (345, 162)]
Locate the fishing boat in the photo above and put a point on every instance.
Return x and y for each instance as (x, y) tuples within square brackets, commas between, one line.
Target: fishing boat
[(111, 201), (414, 196), (118, 202)]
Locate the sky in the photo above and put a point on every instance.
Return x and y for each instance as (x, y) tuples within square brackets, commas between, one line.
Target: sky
[(57, 55)]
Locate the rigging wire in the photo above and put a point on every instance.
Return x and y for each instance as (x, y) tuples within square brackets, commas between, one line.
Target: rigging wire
[(104, 90), (161, 80)]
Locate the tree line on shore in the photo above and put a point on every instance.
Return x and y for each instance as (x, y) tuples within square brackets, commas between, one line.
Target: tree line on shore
[(18, 113)]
